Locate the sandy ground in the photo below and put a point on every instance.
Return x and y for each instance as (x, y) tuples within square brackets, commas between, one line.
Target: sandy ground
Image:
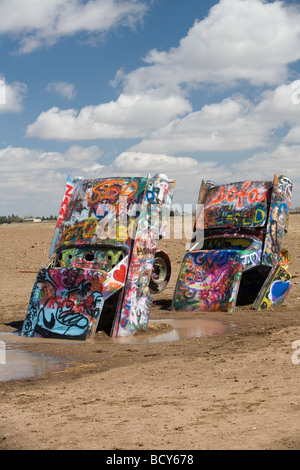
[(237, 390)]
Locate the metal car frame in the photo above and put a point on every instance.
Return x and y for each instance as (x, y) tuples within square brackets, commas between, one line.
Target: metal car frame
[(104, 264), (240, 259)]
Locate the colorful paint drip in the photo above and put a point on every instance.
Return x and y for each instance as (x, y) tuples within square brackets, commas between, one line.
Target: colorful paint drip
[(103, 264), (241, 260)]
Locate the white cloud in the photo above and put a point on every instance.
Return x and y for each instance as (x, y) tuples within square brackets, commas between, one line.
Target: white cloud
[(183, 169), (38, 23), (284, 159), (189, 172), (131, 116), (293, 136), (227, 125), (233, 124), (11, 96), (40, 176), (239, 40), (64, 89), (278, 107), (27, 161), (166, 122)]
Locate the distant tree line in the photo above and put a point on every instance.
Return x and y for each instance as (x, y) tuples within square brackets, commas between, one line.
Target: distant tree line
[(10, 219), (51, 217)]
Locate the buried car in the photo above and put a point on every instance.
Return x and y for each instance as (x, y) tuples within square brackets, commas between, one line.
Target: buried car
[(236, 256), (103, 264)]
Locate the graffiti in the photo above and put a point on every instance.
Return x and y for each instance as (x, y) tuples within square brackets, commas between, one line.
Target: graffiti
[(101, 258), (233, 194), (236, 205), (206, 280), (275, 246), (65, 204), (63, 211), (219, 217), (244, 225), (151, 223), (112, 191), (80, 233), (250, 259), (137, 300), (278, 219), (64, 302), (275, 289)]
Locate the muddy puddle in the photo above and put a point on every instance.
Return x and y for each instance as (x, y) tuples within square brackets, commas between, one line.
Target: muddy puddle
[(16, 363), (175, 330)]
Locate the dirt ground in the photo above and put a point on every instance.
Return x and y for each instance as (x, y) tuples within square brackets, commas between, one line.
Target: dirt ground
[(237, 390)]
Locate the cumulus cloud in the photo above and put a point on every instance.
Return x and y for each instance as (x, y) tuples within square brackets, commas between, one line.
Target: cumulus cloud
[(284, 159), (293, 136), (64, 89), (278, 106), (248, 40), (189, 172), (27, 168), (239, 40), (235, 123), (36, 23), (167, 123), (131, 116), (11, 96), (219, 126), (40, 176)]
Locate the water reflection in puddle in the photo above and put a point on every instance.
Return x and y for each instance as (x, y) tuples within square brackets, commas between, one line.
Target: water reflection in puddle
[(21, 365), (181, 329), (17, 364)]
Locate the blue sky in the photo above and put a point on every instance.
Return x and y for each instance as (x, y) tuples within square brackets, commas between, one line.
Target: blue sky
[(193, 89)]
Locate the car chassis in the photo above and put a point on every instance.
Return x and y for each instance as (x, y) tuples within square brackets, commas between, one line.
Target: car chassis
[(103, 264), (239, 259)]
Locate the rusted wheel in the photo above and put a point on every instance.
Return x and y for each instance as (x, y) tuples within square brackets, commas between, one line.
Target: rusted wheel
[(161, 272)]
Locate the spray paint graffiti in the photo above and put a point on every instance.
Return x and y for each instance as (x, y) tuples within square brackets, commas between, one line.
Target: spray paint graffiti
[(64, 302), (207, 281), (102, 259), (237, 205), (241, 260), (278, 219)]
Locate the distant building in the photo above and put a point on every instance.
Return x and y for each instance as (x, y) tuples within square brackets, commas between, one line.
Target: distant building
[(32, 219)]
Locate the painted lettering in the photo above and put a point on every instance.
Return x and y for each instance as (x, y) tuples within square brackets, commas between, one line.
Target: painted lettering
[(65, 204), (232, 194), (82, 231), (110, 191)]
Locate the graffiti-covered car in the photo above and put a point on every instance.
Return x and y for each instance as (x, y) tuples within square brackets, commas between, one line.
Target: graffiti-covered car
[(239, 259), (103, 264)]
